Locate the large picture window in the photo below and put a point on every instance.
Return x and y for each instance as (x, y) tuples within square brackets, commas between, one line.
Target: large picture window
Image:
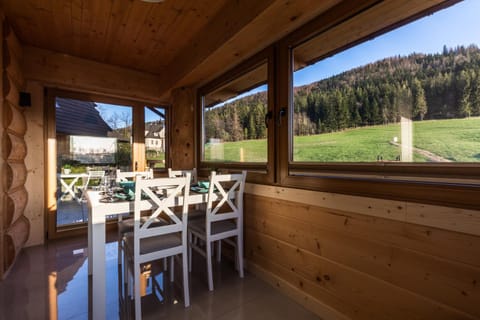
[(234, 128), (236, 117), (155, 137), (409, 95)]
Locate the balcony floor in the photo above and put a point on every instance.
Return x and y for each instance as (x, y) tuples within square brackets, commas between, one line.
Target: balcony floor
[(51, 282)]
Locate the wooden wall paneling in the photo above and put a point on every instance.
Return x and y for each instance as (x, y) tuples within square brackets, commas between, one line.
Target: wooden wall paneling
[(456, 219), (14, 119), (319, 307), (368, 206), (35, 163), (182, 150), (304, 290), (463, 247), (448, 282), (349, 284), (462, 220)]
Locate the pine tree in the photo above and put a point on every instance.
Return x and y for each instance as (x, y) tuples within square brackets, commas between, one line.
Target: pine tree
[(419, 102)]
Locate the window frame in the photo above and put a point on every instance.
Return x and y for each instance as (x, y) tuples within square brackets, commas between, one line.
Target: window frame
[(447, 184), (138, 151), (450, 184), (258, 172), (168, 121)]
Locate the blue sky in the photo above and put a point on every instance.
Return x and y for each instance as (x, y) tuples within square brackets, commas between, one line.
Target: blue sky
[(453, 26), (106, 110)]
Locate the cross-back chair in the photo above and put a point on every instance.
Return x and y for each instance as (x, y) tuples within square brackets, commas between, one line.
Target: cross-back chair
[(130, 175), (223, 220), (182, 173), (151, 240)]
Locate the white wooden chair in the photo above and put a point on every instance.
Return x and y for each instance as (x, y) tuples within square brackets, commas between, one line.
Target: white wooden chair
[(223, 220), (126, 225), (153, 241), (98, 175), (183, 173)]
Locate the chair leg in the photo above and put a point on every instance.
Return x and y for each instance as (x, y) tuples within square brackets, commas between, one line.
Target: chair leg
[(240, 255), (186, 290), (138, 304), (119, 240), (190, 238), (208, 256), (219, 250), (172, 269)]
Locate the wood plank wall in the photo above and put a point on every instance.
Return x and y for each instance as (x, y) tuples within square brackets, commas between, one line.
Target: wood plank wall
[(14, 226), (347, 257)]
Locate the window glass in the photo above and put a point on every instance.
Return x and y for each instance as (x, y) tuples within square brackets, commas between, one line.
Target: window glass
[(234, 127), (93, 140), (155, 137), (409, 95)]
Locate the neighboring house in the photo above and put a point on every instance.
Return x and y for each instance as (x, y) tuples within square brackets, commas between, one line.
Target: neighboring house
[(155, 136), (77, 118)]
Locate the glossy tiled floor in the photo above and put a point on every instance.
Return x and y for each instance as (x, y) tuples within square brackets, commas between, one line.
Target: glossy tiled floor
[(51, 282)]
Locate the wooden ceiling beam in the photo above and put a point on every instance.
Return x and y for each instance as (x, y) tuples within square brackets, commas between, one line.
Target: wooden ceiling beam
[(236, 33), (63, 71), (233, 17)]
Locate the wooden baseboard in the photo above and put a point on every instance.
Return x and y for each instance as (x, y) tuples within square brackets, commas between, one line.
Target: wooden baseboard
[(309, 302)]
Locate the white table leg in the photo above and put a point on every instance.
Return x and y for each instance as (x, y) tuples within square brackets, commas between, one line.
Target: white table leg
[(97, 261)]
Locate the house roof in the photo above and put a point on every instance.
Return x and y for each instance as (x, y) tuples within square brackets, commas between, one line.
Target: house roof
[(81, 118), (154, 130)]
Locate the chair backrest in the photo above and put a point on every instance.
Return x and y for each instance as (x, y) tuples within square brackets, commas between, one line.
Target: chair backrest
[(96, 174), (225, 198), (130, 175), (183, 173), (162, 196)]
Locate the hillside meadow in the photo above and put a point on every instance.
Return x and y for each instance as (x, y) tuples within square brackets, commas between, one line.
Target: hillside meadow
[(456, 140)]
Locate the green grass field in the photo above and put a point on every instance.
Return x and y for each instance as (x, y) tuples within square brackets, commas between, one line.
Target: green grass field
[(457, 140)]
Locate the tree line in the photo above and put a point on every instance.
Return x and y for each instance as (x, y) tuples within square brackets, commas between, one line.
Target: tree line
[(418, 86)]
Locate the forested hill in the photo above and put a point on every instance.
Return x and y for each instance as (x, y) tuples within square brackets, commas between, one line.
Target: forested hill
[(418, 86)]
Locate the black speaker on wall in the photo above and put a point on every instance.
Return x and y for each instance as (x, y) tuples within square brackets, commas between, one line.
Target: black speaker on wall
[(25, 99)]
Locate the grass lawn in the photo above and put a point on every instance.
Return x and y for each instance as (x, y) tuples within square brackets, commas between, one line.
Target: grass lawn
[(457, 140), (239, 151)]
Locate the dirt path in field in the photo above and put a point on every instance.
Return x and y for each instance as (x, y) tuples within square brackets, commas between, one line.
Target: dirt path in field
[(430, 156)]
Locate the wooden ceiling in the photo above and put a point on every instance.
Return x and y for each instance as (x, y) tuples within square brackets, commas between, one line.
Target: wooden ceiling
[(183, 42)]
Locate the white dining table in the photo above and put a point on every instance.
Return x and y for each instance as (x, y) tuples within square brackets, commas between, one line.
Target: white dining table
[(97, 213)]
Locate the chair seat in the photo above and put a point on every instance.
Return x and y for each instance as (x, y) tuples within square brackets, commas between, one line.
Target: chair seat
[(198, 225), (126, 225), (192, 215), (152, 244)]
